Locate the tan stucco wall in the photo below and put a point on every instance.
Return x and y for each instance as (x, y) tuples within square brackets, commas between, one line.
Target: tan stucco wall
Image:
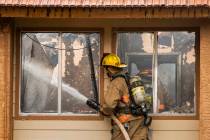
[(162, 129), (205, 82), (5, 81)]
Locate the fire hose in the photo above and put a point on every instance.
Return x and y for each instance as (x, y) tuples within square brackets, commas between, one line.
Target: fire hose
[(122, 128), (91, 103), (95, 103)]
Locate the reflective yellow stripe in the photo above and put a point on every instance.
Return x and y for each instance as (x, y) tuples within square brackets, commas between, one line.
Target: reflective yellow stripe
[(138, 90)]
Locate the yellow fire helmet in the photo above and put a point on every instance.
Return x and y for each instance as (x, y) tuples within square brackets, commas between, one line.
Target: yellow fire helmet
[(112, 60)]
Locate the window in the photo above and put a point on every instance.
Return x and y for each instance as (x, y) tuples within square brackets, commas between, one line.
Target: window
[(166, 63), (55, 73)]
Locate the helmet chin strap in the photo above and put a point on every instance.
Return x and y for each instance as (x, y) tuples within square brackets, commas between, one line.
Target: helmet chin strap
[(110, 72)]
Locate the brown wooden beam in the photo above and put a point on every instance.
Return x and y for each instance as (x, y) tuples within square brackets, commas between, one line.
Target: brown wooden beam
[(140, 13)]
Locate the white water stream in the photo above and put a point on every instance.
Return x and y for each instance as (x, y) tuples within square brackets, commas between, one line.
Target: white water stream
[(45, 74), (73, 92)]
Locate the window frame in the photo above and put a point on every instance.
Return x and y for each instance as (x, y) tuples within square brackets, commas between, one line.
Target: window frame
[(17, 68), (116, 30)]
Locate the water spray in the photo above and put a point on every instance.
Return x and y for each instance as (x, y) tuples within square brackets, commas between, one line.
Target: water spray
[(41, 72)]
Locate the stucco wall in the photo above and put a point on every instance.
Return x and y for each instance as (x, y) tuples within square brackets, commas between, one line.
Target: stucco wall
[(205, 82), (5, 81)]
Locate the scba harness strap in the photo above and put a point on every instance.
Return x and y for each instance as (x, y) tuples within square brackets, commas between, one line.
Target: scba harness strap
[(133, 109), (126, 76)]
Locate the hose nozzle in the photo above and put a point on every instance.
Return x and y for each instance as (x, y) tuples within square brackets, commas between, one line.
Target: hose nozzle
[(93, 104)]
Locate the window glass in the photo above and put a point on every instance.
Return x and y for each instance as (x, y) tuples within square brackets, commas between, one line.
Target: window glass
[(173, 56), (176, 72), (136, 50), (38, 63), (56, 74), (76, 70)]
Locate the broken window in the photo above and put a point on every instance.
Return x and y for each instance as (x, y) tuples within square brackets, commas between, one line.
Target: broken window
[(55, 72), (165, 61)]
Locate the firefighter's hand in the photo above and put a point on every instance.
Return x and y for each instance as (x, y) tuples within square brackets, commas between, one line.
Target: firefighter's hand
[(106, 111)]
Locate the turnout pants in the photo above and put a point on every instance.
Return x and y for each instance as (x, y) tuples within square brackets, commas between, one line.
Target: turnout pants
[(135, 129)]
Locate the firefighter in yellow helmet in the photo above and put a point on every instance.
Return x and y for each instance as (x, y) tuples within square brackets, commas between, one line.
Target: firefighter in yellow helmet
[(117, 101)]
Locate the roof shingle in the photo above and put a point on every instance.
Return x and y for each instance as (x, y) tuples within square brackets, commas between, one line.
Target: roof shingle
[(105, 3)]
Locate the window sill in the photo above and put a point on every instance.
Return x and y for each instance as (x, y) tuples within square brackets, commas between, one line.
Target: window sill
[(53, 117), (177, 117)]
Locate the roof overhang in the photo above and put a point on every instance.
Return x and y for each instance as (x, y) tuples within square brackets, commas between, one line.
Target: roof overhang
[(108, 12), (105, 3)]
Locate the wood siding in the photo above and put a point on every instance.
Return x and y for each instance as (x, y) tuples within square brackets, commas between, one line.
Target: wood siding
[(94, 130)]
